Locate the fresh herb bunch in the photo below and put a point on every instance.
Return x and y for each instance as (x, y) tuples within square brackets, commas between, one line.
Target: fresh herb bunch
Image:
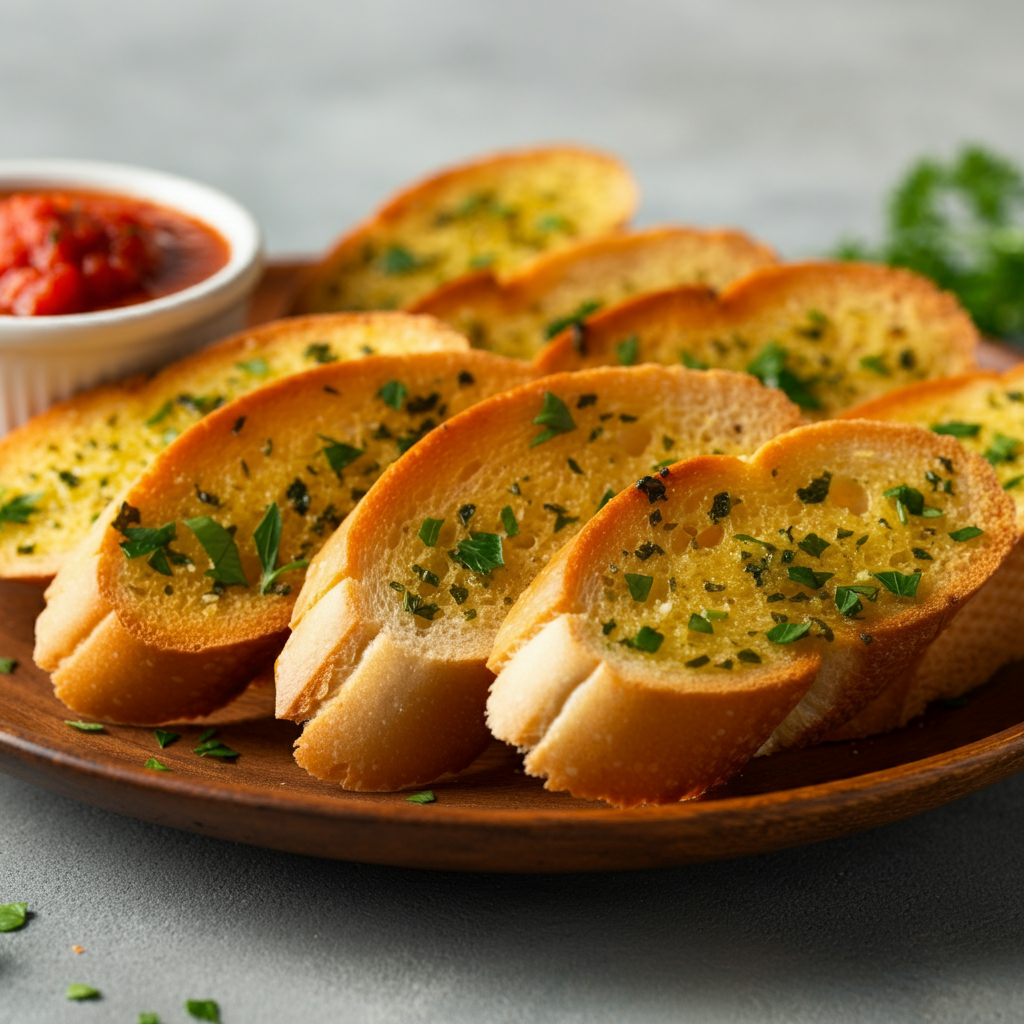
[(962, 225)]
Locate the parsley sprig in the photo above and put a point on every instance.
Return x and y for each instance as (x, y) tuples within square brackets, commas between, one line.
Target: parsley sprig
[(268, 540)]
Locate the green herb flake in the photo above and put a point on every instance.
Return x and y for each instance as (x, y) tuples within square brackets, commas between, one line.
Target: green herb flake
[(770, 368), (426, 575), (816, 491), (808, 577), (481, 552), (144, 541), (574, 466), (813, 545), (85, 726), (430, 530), (554, 417), (426, 797), (339, 454), (508, 520), (214, 748), (393, 393), (562, 517), (647, 639), (639, 585), (80, 992), (691, 362), (148, 1018), (203, 1009), (8, 665), (898, 583), (605, 498), (753, 540), (19, 508), (161, 414), (788, 632), (909, 497), (220, 546), (559, 324), (1012, 482), (398, 261), (628, 350), (876, 364), (12, 916), (155, 765), (847, 600), (165, 738), (955, 428), (698, 624), (268, 540), (607, 627), (1002, 449), (320, 352), (257, 367), (749, 657), (966, 533)]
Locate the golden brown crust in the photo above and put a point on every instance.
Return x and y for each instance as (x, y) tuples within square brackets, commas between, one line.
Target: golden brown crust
[(599, 720), (77, 454), (600, 197), (514, 315), (849, 331), (624, 419)]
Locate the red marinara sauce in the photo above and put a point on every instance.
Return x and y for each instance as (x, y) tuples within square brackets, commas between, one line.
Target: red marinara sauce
[(76, 252)]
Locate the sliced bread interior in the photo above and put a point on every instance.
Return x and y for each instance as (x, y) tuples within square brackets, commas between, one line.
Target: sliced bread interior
[(200, 562), (985, 413), (497, 212), (829, 334), (386, 661), (517, 315), (741, 605), (62, 468)]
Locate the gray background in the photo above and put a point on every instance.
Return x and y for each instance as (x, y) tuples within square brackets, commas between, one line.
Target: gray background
[(789, 118)]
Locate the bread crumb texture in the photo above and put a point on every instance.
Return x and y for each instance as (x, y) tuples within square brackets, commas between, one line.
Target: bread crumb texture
[(829, 334), (59, 471), (741, 603), (496, 213), (441, 548), (518, 314)]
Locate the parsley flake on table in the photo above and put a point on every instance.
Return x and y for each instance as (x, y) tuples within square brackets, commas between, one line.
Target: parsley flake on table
[(85, 726), (156, 765), (79, 992), (426, 797), (12, 916), (165, 738), (8, 665), (204, 1009)]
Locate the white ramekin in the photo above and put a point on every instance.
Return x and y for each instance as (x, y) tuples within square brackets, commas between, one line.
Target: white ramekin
[(46, 358)]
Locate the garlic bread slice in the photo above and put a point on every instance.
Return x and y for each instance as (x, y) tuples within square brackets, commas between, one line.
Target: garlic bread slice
[(828, 334), (985, 413), (184, 590), (497, 212), (516, 315), (386, 661), (741, 605), (60, 470)]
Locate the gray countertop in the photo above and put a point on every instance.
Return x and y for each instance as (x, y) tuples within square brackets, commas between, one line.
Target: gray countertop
[(790, 119)]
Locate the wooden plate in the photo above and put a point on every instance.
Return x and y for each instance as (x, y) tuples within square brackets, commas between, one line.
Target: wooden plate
[(492, 817)]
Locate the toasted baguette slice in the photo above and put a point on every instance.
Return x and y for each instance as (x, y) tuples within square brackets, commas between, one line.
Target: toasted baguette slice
[(691, 625), (986, 412), (829, 334), (499, 211), (518, 315), (396, 619), (62, 468), (143, 633)]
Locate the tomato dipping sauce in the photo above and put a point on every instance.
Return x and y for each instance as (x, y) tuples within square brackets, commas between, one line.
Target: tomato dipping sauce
[(77, 252)]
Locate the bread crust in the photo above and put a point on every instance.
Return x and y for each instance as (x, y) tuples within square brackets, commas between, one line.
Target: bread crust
[(104, 437), (512, 315), (396, 219), (630, 730), (117, 646), (828, 317), (351, 581)]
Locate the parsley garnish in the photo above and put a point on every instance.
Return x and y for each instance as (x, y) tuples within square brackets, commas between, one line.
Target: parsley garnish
[(268, 540), (628, 349), (957, 429), (508, 520), (414, 603), (220, 546), (847, 602), (426, 797), (393, 393), (639, 585), (84, 726), (699, 624), (605, 498), (145, 541), (204, 1009), (320, 352), (19, 508), (1002, 449), (562, 517), (481, 552), (12, 916), (427, 576), (788, 632), (898, 583), (257, 367), (876, 364), (582, 312), (459, 594), (8, 665), (692, 362), (339, 454), (607, 627), (429, 531), (813, 545), (80, 992), (966, 533), (808, 577), (647, 639), (161, 414), (554, 417), (816, 491), (165, 738), (155, 765), (213, 747), (769, 366), (753, 540), (749, 657), (397, 261)]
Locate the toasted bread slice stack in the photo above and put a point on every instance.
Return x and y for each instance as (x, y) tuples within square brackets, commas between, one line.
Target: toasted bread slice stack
[(985, 413), (184, 590), (519, 314), (497, 212), (386, 662), (742, 605), (829, 334), (61, 469)]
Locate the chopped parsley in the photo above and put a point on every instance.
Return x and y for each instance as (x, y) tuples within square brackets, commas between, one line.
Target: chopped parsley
[(398, 261), (320, 352), (753, 540), (847, 601), (898, 583), (1002, 449), (459, 594), (8, 665), (966, 533), (605, 498), (268, 540), (338, 454), (955, 428), (607, 627), (213, 748), (12, 916), (816, 491), (583, 310), (466, 513), (769, 366), (427, 576), (393, 394), (749, 657), (562, 517), (628, 350), (554, 417), (430, 530), (203, 1009), (639, 585), (876, 364), (165, 738), (647, 639), (156, 766), (257, 367), (220, 546), (813, 545), (414, 603), (425, 797), (788, 632), (692, 362), (85, 726), (808, 577), (508, 520), (80, 992), (698, 624), (480, 553), (19, 508)]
